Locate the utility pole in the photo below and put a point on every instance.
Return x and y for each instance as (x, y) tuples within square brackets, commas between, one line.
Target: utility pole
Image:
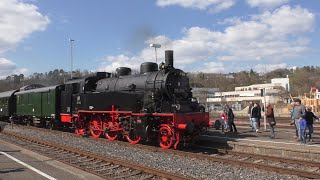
[(71, 55)]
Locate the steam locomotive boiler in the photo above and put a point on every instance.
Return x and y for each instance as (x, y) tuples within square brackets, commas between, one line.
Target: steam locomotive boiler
[(154, 105)]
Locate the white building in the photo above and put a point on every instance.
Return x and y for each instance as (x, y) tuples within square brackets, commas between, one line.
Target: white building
[(253, 92), (284, 82)]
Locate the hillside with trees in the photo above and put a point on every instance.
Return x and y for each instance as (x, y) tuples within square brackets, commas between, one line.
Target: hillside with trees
[(301, 79)]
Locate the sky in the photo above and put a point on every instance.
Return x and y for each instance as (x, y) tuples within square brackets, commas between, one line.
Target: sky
[(212, 36)]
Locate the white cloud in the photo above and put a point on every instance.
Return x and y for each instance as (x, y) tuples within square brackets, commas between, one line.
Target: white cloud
[(213, 67), (211, 5), (266, 4), (17, 21), (272, 37), (264, 68), (8, 68)]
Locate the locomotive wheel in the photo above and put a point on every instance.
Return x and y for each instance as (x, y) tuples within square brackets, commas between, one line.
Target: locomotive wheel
[(111, 133), (28, 122), (80, 131), (166, 137), (50, 125), (132, 137), (95, 127), (80, 128)]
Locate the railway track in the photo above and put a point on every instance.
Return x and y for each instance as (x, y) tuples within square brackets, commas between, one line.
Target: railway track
[(106, 167), (301, 168)]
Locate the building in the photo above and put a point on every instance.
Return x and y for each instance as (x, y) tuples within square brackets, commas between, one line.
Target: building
[(245, 94), (203, 93)]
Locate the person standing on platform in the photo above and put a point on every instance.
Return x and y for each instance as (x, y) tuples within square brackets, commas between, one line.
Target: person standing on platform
[(230, 117), (309, 118), (223, 119), (259, 116), (299, 110), (249, 112), (302, 129), (270, 118), (291, 113), (254, 117)]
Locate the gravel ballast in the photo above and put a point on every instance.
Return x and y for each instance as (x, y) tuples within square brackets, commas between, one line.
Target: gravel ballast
[(191, 167)]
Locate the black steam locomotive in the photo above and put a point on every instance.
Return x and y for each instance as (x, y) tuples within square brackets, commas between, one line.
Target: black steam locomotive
[(155, 105)]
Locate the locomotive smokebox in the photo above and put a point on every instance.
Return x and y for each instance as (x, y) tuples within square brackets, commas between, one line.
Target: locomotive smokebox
[(169, 58), (123, 71)]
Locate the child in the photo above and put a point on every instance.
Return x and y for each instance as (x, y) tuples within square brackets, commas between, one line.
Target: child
[(223, 119), (302, 129)]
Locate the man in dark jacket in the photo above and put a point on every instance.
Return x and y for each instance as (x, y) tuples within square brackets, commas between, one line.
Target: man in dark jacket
[(309, 118), (254, 116), (270, 119), (259, 116), (249, 112), (230, 117)]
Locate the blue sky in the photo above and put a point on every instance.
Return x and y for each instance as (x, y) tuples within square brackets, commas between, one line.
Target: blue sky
[(206, 35)]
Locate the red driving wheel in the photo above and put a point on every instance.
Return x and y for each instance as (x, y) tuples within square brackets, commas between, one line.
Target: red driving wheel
[(132, 137), (79, 126), (166, 137), (112, 132), (95, 126)]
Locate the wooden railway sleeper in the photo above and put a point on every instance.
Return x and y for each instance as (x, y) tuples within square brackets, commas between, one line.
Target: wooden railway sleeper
[(92, 163), (244, 158), (84, 162), (149, 176), (99, 165), (133, 173), (72, 157), (108, 168), (122, 170)]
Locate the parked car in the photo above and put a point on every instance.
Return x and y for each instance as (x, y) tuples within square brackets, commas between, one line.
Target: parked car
[(216, 107)]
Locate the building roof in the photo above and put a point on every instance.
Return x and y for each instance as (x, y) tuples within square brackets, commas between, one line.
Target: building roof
[(7, 93), (44, 89)]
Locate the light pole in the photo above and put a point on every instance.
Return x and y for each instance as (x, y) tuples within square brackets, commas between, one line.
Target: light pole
[(155, 49), (71, 55), (265, 109)]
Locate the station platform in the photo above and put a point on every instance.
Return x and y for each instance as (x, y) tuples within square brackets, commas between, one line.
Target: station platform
[(247, 140), (19, 163)]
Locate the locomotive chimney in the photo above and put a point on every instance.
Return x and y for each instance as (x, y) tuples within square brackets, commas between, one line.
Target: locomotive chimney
[(169, 58)]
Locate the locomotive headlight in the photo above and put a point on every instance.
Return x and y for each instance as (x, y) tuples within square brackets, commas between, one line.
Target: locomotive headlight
[(176, 106)]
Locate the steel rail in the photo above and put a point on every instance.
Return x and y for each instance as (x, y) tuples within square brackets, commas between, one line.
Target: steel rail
[(113, 160)]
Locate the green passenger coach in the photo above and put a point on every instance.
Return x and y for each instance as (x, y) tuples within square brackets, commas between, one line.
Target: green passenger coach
[(38, 106), (7, 104)]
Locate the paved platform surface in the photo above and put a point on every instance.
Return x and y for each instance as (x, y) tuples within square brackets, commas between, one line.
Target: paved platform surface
[(281, 135), (18, 163), (247, 140)]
